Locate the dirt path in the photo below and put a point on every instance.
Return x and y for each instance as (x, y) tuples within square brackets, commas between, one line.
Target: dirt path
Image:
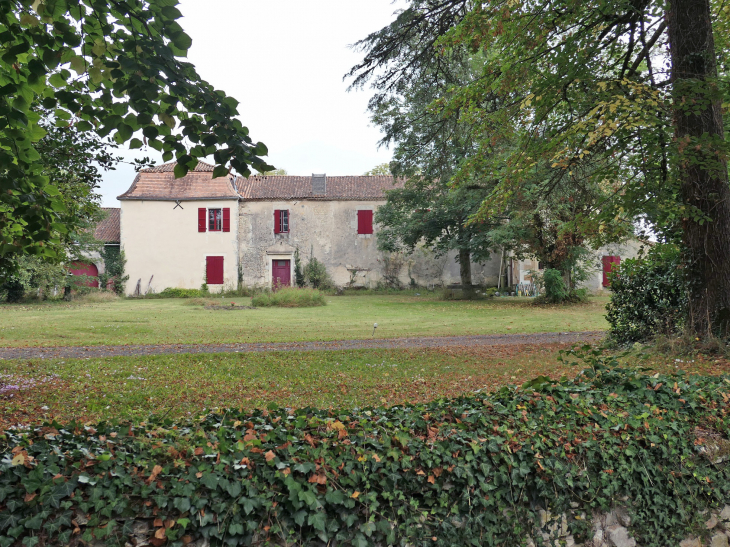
[(76, 352)]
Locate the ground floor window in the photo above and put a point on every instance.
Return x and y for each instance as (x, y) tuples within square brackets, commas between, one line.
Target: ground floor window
[(214, 270)]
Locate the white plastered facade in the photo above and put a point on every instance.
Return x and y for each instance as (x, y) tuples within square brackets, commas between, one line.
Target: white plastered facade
[(164, 249)]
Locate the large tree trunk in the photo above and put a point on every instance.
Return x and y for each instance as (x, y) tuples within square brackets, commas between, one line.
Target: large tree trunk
[(465, 272), (702, 167)]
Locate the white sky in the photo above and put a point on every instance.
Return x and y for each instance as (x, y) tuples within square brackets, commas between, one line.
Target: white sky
[(284, 60)]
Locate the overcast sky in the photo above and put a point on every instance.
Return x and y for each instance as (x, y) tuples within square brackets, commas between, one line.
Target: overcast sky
[(284, 60)]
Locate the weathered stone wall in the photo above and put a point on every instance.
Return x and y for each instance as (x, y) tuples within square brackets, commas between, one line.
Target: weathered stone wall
[(327, 230), (613, 529)]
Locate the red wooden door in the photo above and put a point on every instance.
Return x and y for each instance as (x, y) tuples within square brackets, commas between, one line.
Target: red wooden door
[(280, 273), (214, 270), (89, 270), (610, 263)]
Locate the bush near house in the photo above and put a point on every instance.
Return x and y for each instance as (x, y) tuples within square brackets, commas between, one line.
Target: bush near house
[(648, 296), (290, 297), (467, 471)]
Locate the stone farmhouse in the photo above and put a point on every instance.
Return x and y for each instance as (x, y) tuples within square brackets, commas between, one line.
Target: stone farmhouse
[(232, 231)]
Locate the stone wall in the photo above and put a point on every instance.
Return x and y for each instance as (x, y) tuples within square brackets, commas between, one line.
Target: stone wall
[(613, 529), (327, 230)]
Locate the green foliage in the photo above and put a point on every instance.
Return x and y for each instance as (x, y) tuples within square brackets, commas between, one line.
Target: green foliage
[(466, 471), (276, 173), (315, 273), (555, 289), (290, 297), (108, 68), (170, 292), (114, 265), (299, 277), (14, 290), (379, 170), (648, 296), (32, 274)]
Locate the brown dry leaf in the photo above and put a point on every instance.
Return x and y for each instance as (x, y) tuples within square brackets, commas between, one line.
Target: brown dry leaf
[(169, 523), (199, 451), (376, 458), (157, 523), (199, 474), (29, 497), (269, 456), (338, 425), (286, 471), (355, 495), (187, 539), (18, 459), (160, 533), (431, 479)]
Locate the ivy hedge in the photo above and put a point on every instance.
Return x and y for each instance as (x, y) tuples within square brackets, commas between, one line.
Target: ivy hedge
[(467, 471)]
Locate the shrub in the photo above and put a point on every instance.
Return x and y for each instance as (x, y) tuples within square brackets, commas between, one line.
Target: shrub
[(555, 289), (299, 277), (290, 297), (468, 471), (14, 291), (648, 296), (170, 292), (316, 275)]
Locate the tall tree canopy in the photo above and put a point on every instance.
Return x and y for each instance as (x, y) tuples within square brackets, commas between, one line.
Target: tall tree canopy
[(112, 67), (632, 85)]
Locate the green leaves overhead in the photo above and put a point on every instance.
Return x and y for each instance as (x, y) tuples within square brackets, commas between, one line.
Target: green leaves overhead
[(109, 67)]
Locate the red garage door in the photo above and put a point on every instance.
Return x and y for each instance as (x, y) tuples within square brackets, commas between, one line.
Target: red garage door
[(90, 270)]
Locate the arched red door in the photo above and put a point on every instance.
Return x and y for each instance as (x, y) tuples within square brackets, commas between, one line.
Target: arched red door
[(87, 269)]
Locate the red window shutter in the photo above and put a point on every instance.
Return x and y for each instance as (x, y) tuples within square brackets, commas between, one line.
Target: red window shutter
[(214, 270), (364, 222), (277, 221), (227, 219), (202, 214)]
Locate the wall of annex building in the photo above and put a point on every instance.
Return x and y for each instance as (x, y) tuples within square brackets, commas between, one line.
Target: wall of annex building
[(164, 248), (328, 230)]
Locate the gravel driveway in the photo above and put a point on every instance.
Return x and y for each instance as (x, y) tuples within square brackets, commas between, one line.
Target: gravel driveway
[(71, 352)]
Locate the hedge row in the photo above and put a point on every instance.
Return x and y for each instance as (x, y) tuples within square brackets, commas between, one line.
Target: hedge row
[(469, 471)]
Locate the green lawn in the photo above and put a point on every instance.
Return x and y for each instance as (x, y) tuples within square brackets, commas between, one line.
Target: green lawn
[(170, 321), (180, 385), (183, 385)]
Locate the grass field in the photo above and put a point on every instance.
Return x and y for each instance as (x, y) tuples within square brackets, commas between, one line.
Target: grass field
[(183, 385), (171, 321)]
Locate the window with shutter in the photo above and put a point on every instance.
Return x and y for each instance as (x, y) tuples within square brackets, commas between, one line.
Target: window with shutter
[(215, 220), (281, 221), (202, 213), (227, 219), (214, 270), (364, 222)]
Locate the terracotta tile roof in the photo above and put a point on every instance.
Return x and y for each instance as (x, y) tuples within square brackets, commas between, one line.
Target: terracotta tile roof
[(108, 229), (159, 183), (338, 188), (202, 167)]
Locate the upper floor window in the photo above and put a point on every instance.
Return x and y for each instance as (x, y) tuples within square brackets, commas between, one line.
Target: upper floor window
[(281, 221), (364, 221), (215, 220)]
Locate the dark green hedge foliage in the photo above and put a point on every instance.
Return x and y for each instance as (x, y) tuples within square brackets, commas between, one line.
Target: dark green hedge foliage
[(648, 296), (468, 471)]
